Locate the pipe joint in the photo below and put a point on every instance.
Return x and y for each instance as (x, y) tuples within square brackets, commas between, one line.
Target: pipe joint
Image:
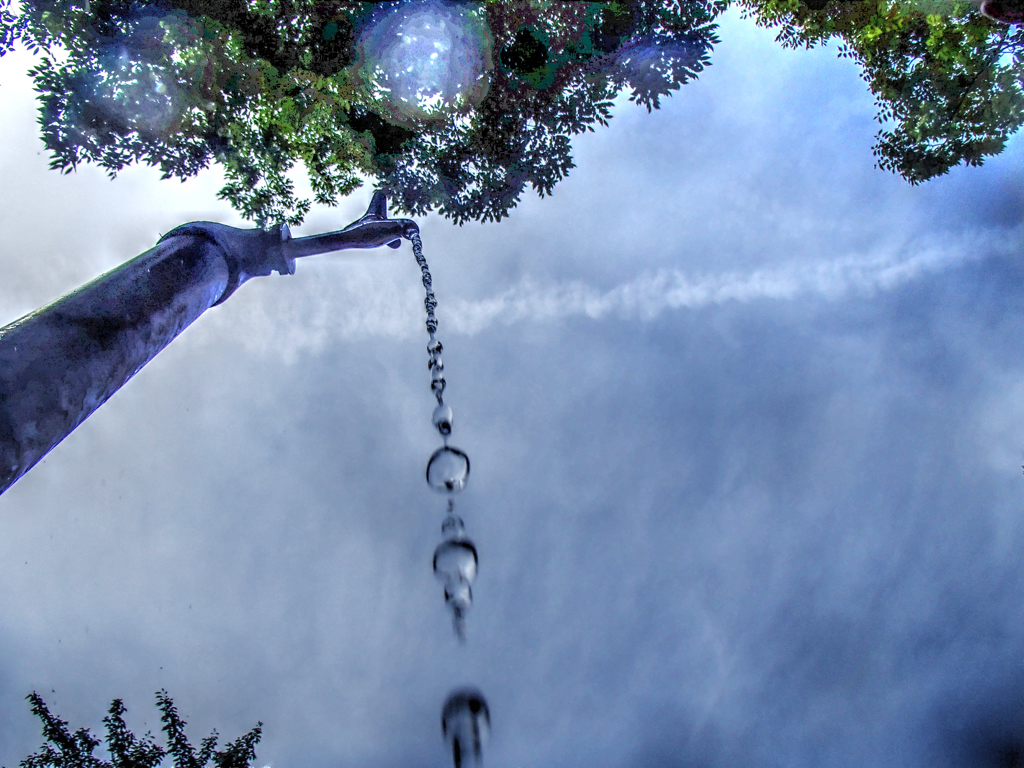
[(248, 252)]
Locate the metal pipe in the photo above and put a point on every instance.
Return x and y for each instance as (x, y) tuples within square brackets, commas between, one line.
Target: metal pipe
[(62, 362)]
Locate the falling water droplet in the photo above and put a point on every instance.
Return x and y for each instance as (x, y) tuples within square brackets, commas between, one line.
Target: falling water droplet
[(442, 419), (455, 560), (466, 724), (458, 597), (448, 470), (436, 380), (453, 527), (455, 563)]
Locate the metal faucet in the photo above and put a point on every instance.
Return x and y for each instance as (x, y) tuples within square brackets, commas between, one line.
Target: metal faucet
[(259, 252), (62, 362)]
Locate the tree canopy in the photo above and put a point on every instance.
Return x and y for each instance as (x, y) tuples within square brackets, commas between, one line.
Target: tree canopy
[(948, 81), (264, 87), (261, 85), (66, 749)]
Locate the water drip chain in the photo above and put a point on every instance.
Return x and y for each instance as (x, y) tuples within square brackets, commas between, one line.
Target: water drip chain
[(434, 346), (447, 471), (465, 714)]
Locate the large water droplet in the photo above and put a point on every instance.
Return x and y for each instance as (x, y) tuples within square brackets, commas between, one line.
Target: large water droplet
[(455, 560), (466, 725), (442, 419), (448, 470), (455, 564)]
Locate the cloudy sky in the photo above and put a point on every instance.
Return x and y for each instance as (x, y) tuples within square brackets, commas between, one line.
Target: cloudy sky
[(746, 418)]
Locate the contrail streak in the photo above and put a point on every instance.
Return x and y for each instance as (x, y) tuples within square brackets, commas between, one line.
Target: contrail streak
[(650, 295)]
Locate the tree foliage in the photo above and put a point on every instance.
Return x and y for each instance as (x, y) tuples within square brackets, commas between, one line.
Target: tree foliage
[(64, 749), (9, 28), (948, 81), (265, 87), (559, 67), (259, 86)]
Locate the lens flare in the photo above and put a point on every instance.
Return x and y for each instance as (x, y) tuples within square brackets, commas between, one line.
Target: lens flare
[(424, 60)]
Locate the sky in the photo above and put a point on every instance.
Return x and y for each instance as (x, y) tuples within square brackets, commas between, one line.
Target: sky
[(746, 423)]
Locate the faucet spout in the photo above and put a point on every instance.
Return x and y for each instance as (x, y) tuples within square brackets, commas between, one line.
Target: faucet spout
[(257, 252), (372, 230)]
